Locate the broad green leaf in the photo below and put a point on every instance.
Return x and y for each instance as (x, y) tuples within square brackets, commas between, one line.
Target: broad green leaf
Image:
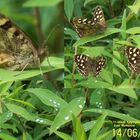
[(92, 38), (120, 65), (125, 91), (63, 135), (70, 32), (97, 2), (135, 8), (107, 76), (93, 51), (5, 136), (135, 38), (64, 115), (47, 97), (93, 83), (4, 87), (78, 128), (26, 115), (42, 3), (111, 113), (5, 117), (123, 26), (8, 76), (134, 30), (106, 136), (97, 126), (26, 136), (68, 7)]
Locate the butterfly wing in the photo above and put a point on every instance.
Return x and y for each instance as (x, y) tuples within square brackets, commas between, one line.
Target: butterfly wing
[(133, 55), (82, 61), (99, 63), (86, 64), (16, 46), (83, 26), (98, 19)]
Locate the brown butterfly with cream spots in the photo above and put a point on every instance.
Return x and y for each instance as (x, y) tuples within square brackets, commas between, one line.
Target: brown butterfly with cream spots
[(133, 55), (88, 65), (85, 27), (17, 50)]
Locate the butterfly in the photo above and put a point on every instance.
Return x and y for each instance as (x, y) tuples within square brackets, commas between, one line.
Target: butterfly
[(17, 50), (133, 55), (88, 65), (85, 27)]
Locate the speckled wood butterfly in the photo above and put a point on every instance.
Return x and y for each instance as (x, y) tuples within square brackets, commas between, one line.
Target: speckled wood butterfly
[(88, 65), (17, 51), (133, 55), (85, 27)]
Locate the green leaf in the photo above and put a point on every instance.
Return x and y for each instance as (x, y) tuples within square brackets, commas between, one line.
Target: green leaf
[(78, 128), (64, 115), (106, 136), (92, 83), (91, 38), (42, 3), (120, 65), (5, 136), (93, 51), (123, 26), (63, 135), (48, 98), (26, 115), (68, 7), (125, 91), (135, 9), (5, 117), (7, 76), (111, 113), (97, 2), (134, 30), (97, 126)]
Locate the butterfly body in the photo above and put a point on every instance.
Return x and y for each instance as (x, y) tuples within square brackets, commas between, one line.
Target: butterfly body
[(133, 55), (84, 26), (17, 51), (88, 65)]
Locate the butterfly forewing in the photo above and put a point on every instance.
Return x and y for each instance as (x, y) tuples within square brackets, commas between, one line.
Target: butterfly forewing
[(85, 27), (98, 17), (133, 55), (88, 65), (16, 49)]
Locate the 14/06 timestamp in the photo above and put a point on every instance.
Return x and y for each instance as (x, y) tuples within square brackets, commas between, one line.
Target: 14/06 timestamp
[(129, 132)]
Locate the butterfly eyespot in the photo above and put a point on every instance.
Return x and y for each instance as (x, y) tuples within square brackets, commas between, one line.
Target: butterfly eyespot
[(79, 20)]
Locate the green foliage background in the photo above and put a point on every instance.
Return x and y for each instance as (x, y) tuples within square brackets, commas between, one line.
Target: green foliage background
[(38, 107)]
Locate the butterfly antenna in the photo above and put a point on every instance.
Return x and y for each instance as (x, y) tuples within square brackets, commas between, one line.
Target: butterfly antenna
[(41, 72), (46, 40), (22, 69)]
